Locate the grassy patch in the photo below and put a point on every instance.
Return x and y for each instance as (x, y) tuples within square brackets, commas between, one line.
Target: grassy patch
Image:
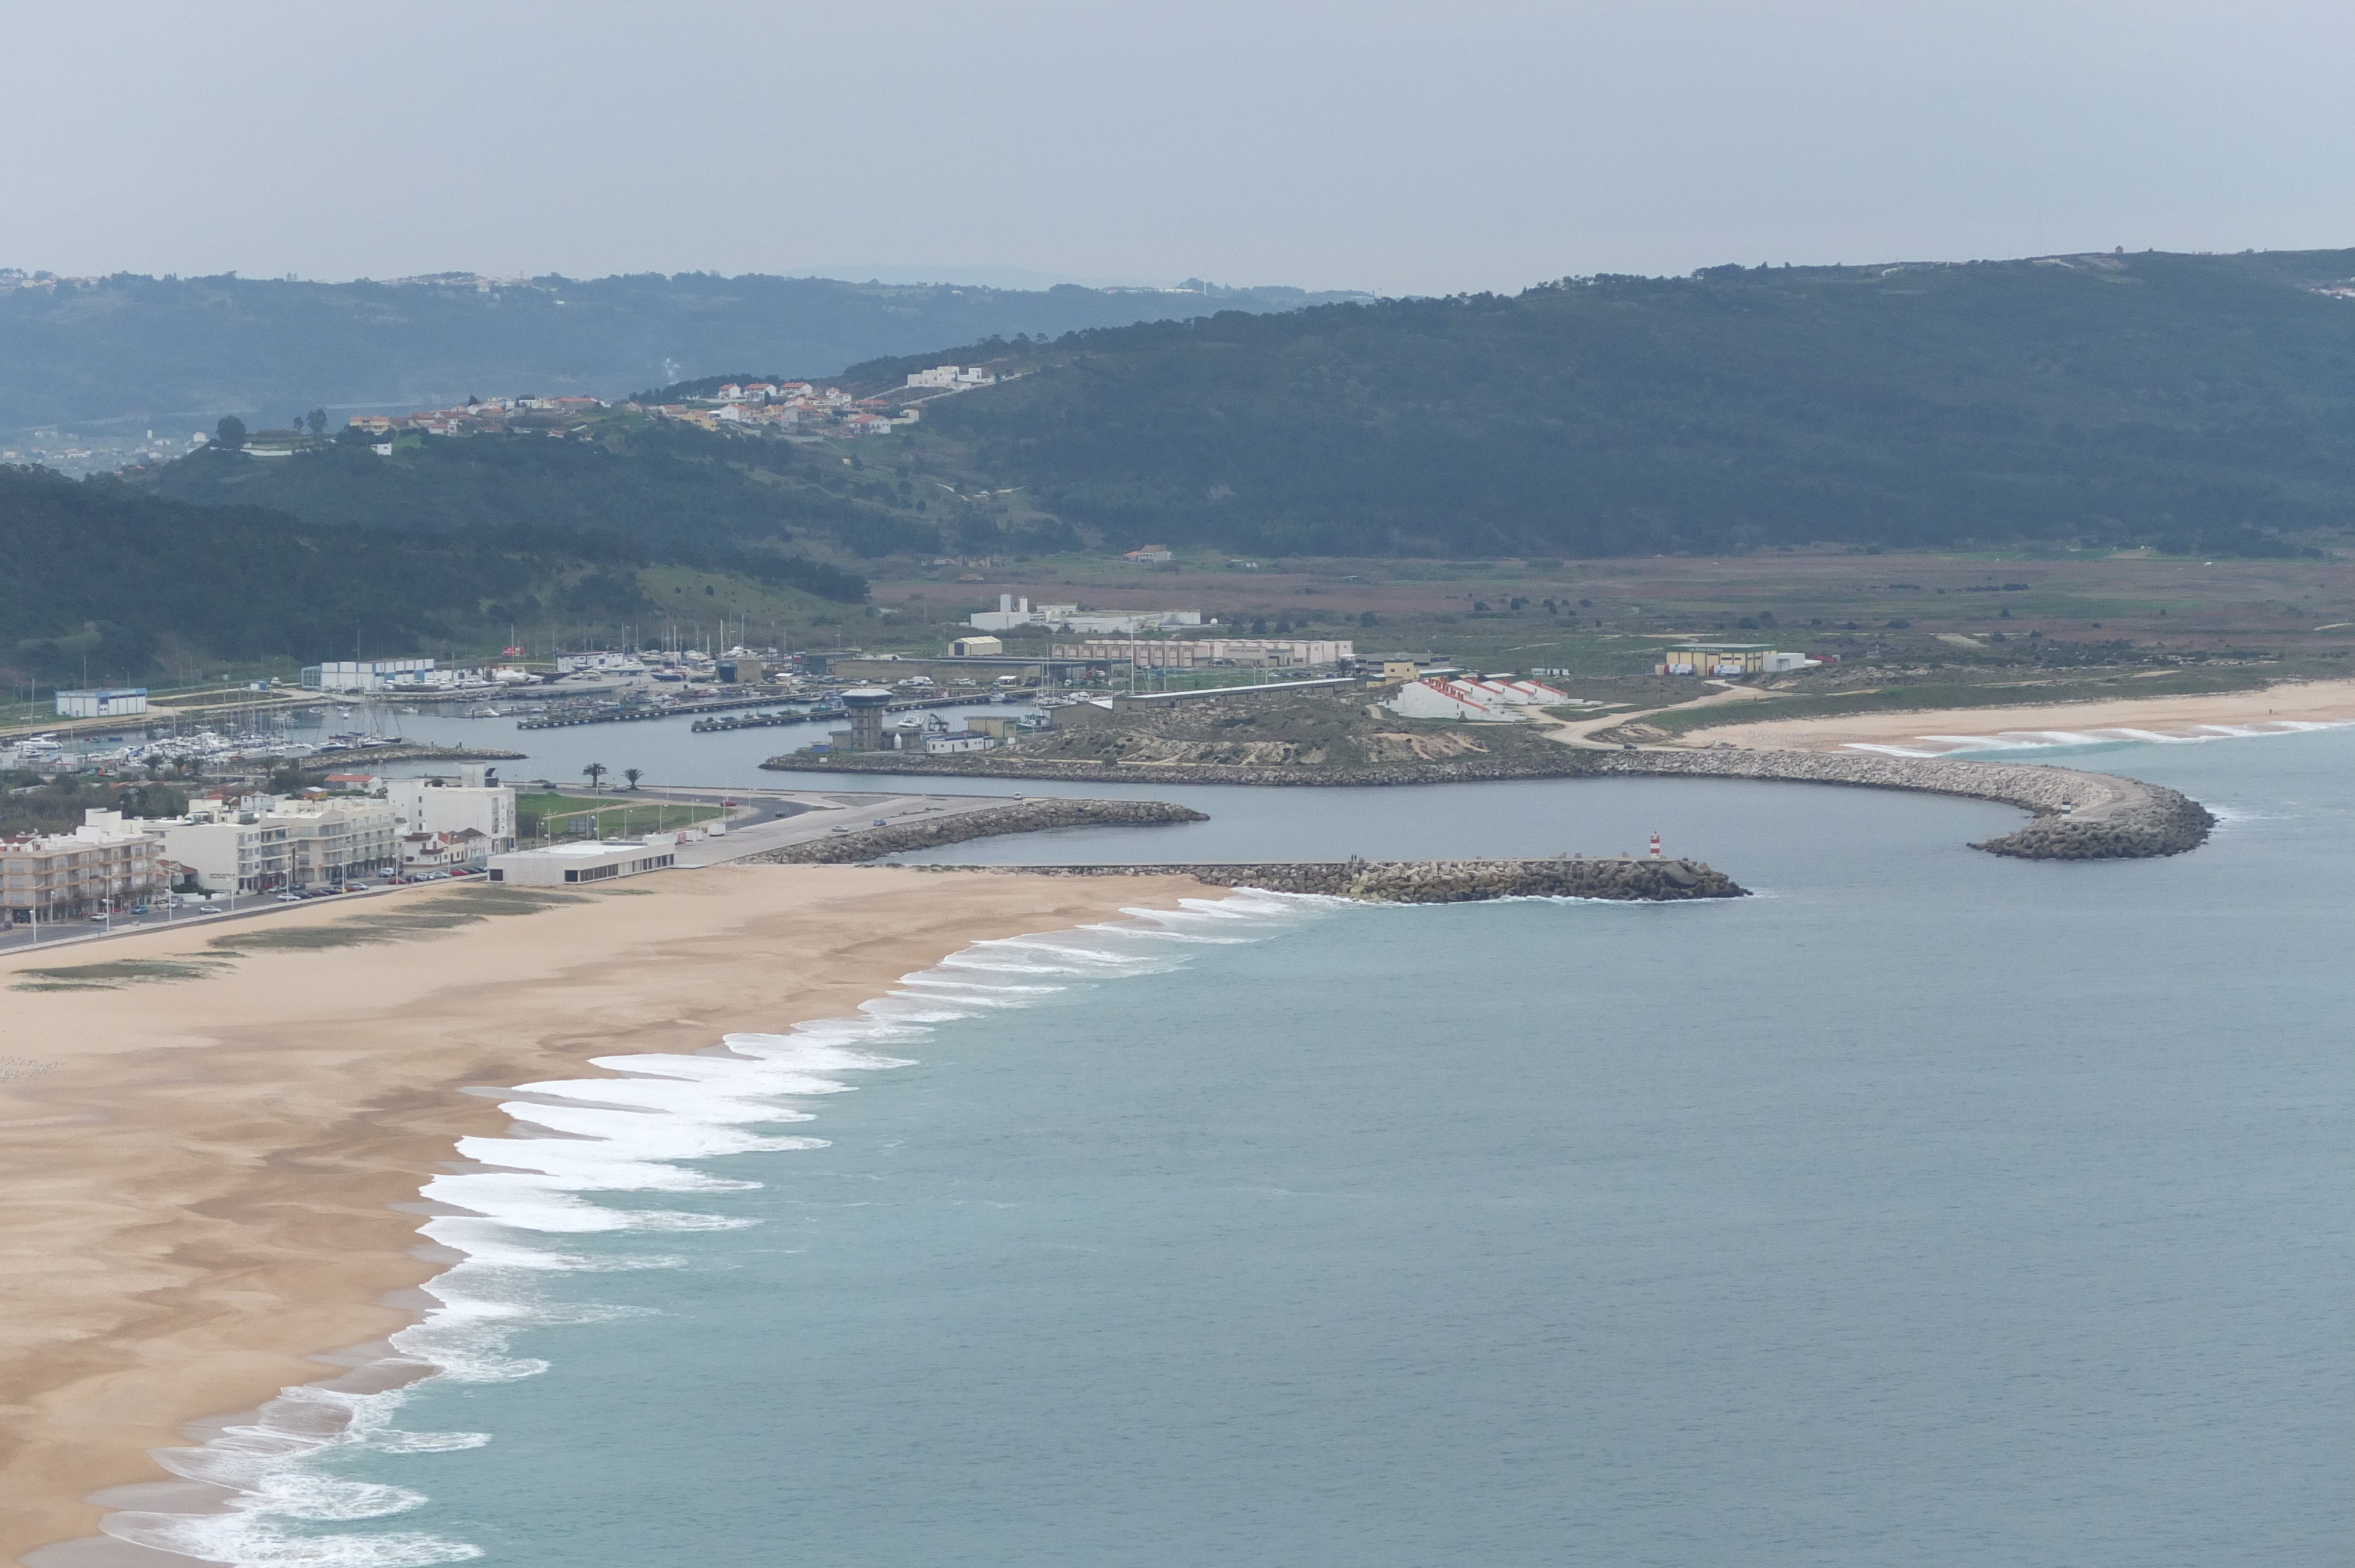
[(465, 907), (616, 817), (115, 974)]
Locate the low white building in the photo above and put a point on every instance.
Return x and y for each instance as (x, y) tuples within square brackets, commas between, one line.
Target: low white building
[(1012, 613), (951, 376), (444, 851), (560, 866), (362, 675), (1472, 697), (104, 702), (954, 741)]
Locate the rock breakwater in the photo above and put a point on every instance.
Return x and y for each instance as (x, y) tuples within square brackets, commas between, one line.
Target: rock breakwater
[(1437, 881), (2077, 816), (1016, 816)]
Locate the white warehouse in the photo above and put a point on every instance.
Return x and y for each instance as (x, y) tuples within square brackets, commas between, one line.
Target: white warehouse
[(562, 865), (105, 702), (1472, 697), (363, 675)]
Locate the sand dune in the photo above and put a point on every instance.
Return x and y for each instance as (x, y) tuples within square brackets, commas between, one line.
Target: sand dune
[(2284, 707)]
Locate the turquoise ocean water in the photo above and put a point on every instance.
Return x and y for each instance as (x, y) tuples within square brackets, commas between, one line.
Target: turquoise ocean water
[(1927, 1208)]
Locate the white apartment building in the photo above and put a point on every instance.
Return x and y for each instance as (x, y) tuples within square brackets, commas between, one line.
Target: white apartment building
[(227, 851), (58, 876), (476, 804), (259, 843), (335, 841)]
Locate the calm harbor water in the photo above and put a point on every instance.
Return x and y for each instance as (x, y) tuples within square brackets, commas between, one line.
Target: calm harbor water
[(1927, 1208)]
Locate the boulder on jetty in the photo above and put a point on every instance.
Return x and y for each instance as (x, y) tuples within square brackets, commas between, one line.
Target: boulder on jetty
[(2078, 816), (1015, 817), (1438, 881)]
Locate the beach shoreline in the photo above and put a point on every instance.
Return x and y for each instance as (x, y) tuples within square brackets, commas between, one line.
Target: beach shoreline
[(214, 1181), (2285, 708)]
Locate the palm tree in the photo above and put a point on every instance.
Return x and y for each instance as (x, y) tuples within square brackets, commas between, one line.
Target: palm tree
[(633, 775), (595, 773)]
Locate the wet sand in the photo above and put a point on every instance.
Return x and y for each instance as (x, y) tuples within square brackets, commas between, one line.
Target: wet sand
[(199, 1174), (2283, 708)]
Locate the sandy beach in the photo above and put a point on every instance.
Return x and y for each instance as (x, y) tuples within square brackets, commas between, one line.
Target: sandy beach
[(2285, 706), (200, 1173)]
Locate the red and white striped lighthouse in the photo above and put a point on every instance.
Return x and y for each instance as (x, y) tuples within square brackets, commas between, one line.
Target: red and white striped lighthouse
[(1655, 846)]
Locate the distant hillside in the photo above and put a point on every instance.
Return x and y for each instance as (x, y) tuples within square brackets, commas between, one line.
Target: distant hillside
[(2192, 402), (677, 493), (107, 581), (184, 351)]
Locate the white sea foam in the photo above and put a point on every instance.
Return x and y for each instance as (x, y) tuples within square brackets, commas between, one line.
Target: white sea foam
[(614, 1136)]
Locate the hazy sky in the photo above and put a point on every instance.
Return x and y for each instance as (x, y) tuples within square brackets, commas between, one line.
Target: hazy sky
[(1422, 148)]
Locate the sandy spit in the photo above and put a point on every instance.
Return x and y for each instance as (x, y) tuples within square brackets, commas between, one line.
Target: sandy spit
[(2303, 702), (196, 1175)]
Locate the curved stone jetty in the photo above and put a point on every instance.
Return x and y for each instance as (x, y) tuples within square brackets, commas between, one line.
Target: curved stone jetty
[(2078, 816), (1015, 817), (1085, 770), (1436, 880)]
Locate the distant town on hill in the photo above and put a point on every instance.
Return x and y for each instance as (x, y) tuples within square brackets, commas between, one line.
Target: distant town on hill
[(137, 353)]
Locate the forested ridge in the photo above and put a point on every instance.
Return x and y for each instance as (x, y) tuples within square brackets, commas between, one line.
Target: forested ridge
[(107, 580), (2190, 402)]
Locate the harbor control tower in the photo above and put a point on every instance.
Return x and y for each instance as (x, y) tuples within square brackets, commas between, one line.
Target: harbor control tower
[(865, 705)]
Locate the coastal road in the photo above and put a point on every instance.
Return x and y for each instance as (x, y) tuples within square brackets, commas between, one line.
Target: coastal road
[(764, 820)]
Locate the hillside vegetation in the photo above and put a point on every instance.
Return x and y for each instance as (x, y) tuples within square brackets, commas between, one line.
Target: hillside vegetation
[(677, 492), (150, 350), (2195, 403), (108, 583)]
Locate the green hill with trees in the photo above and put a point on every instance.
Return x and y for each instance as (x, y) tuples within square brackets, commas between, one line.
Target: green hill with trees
[(2194, 403), (109, 582), (679, 492)]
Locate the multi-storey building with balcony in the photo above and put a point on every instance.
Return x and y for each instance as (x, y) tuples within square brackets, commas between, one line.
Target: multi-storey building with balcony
[(54, 876), (330, 841)]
